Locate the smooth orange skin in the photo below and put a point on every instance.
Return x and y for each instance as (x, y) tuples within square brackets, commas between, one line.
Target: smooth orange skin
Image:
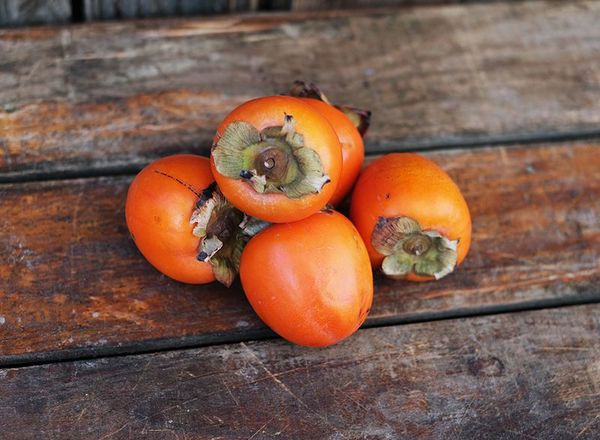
[(158, 211), (353, 148), (406, 184), (310, 281), (318, 135)]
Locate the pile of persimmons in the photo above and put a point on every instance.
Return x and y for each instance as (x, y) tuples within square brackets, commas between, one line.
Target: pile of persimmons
[(263, 206)]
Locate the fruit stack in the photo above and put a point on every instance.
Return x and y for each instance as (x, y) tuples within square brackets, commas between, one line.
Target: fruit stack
[(263, 205)]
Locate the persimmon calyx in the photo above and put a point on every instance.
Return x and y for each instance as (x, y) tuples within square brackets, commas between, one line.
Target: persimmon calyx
[(272, 161), (360, 118), (251, 226), (223, 231), (302, 89), (409, 249)]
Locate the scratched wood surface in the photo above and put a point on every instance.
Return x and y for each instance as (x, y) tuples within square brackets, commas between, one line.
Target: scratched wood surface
[(529, 375), (73, 284), (108, 97)]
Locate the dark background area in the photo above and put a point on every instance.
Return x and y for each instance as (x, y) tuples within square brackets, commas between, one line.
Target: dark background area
[(36, 12)]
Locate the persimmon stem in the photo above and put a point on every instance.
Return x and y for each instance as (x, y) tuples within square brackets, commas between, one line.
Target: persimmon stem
[(223, 231), (274, 160), (276, 164), (409, 249), (417, 244)]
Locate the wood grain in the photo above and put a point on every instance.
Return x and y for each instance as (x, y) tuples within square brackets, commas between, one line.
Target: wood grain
[(109, 97), (531, 375), (28, 12), (73, 284)]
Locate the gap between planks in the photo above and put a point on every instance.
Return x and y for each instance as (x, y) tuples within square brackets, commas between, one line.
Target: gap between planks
[(449, 143), (191, 342)]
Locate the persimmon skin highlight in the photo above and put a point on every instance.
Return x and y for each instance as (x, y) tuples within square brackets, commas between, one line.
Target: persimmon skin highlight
[(159, 205), (318, 135), (353, 148), (407, 184), (310, 281)]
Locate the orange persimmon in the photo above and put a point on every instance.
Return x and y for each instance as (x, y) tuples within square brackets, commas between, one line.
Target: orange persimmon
[(181, 223), (412, 216), (310, 281), (353, 149), (276, 158)]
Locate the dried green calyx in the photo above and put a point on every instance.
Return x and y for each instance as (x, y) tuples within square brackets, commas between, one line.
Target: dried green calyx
[(274, 160), (409, 249), (223, 231), (359, 117)]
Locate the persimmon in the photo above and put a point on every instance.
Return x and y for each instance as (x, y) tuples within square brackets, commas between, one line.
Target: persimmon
[(182, 224), (412, 216), (360, 118), (276, 158), (350, 125), (310, 281), (353, 149)]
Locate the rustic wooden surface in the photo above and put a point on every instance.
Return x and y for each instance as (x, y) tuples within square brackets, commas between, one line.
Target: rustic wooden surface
[(73, 284), (109, 97), (530, 375), (83, 107)]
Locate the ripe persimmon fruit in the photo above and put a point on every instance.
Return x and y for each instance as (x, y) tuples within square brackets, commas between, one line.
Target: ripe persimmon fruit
[(412, 216), (353, 149), (182, 224), (360, 118), (276, 158), (347, 123), (310, 281)]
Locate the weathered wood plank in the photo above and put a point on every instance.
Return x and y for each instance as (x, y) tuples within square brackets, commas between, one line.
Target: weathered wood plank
[(516, 376), (73, 284), (110, 96), (27, 12)]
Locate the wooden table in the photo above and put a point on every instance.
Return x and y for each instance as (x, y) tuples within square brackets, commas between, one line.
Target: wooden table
[(96, 344)]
